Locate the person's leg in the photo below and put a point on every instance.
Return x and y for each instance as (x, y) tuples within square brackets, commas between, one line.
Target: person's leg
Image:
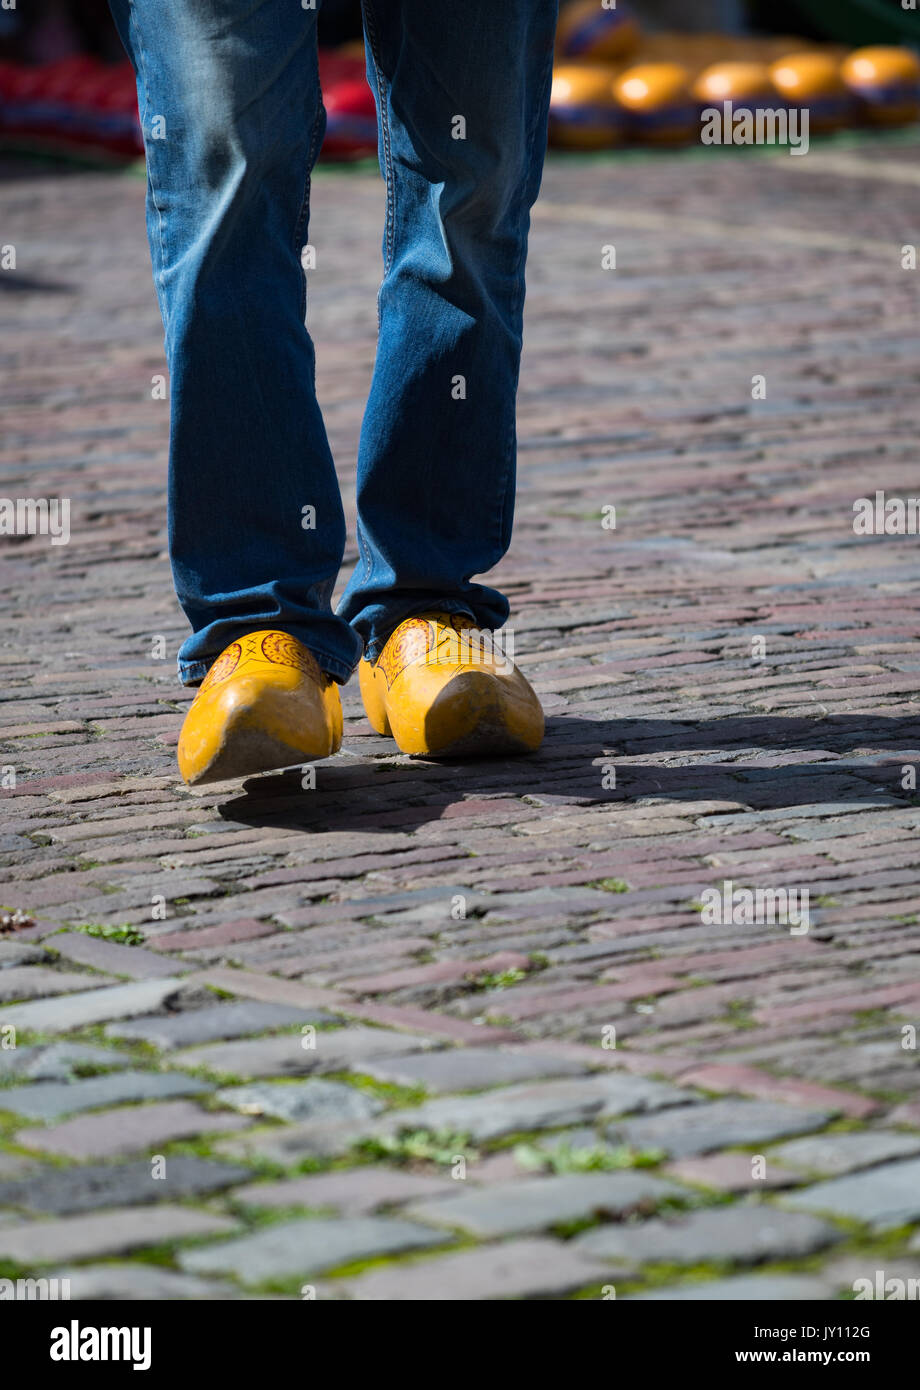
[(232, 117), (463, 95)]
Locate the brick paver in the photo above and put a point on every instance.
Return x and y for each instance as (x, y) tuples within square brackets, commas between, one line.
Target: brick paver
[(486, 1001)]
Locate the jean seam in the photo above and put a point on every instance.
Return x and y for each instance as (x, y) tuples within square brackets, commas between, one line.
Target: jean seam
[(365, 550), (373, 44), (370, 25), (307, 183), (519, 304), (139, 46)]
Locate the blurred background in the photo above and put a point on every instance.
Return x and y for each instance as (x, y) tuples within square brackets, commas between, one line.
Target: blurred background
[(67, 91)]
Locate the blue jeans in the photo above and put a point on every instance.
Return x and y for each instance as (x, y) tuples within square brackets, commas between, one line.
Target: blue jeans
[(233, 120)]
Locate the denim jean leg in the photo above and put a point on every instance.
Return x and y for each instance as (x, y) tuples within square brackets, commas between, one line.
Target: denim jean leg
[(232, 115), (462, 101)]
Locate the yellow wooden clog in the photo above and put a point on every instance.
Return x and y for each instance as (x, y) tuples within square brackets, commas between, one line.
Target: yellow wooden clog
[(264, 703), (443, 688)]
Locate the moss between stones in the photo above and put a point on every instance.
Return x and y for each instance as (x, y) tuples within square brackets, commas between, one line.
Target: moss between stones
[(258, 1218), (434, 1146), (502, 979), (396, 1096), (125, 935), (293, 1287), (586, 1159)]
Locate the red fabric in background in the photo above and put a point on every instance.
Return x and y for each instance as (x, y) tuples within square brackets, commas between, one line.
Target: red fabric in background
[(82, 104)]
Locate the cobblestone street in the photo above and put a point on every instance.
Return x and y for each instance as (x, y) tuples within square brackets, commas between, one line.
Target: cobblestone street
[(469, 1031)]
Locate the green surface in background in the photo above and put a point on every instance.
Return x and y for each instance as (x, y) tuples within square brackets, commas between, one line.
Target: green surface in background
[(862, 138), (863, 21)]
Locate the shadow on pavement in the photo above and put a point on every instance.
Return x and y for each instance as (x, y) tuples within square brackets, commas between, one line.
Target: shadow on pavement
[(579, 753)]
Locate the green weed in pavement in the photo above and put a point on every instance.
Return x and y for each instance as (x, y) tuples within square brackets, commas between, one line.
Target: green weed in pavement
[(597, 1158), (420, 1145), (125, 935)]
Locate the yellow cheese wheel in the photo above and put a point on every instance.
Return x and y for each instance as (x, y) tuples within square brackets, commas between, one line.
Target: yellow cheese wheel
[(588, 31), (811, 81), (744, 84), (885, 82), (657, 97), (583, 111)]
